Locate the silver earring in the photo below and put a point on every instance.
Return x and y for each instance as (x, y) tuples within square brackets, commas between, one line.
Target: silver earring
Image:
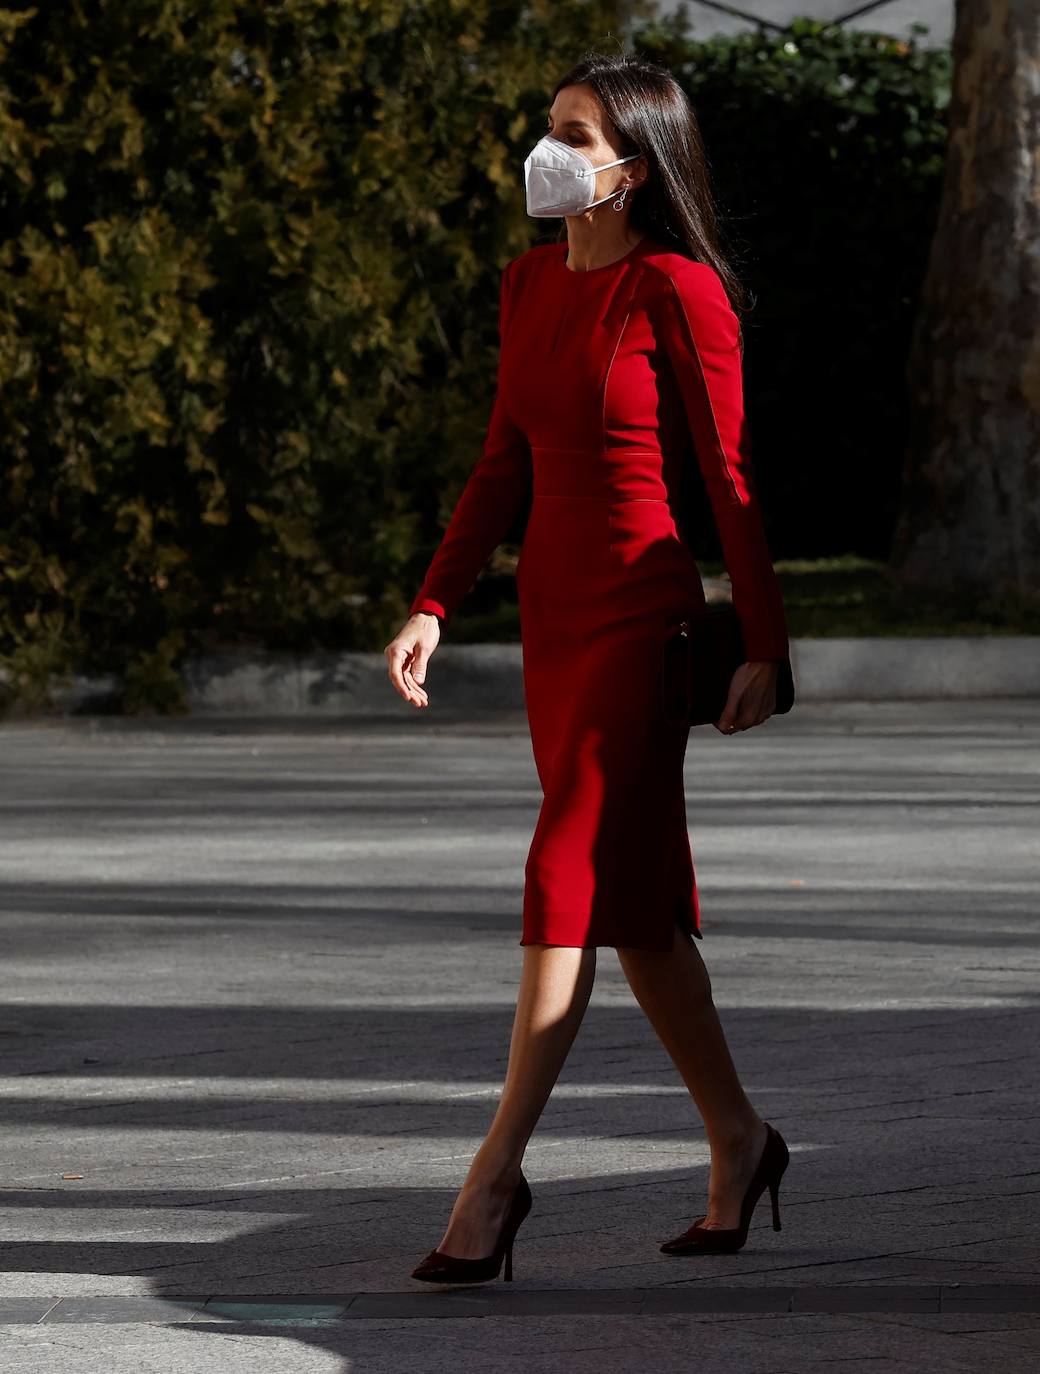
[(619, 204)]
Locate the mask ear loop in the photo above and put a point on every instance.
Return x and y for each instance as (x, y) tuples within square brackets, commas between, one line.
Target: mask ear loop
[(603, 199), (604, 165)]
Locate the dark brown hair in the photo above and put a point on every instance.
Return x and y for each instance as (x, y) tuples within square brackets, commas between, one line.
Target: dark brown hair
[(652, 115)]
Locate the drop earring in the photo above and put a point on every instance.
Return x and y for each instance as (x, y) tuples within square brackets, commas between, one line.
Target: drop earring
[(619, 204)]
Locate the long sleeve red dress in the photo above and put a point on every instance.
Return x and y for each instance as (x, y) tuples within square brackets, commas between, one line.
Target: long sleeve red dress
[(607, 380)]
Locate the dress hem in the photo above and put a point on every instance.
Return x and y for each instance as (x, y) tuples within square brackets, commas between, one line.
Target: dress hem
[(691, 931)]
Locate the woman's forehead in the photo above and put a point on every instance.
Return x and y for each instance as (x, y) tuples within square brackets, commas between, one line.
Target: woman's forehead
[(579, 105)]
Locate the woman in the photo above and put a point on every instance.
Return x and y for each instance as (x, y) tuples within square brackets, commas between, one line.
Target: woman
[(620, 352)]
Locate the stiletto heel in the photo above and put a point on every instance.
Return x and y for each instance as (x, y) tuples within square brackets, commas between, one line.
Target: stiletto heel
[(438, 1267), (768, 1172)]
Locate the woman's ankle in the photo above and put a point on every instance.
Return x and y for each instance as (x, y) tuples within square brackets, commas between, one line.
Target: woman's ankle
[(736, 1134), (496, 1172)]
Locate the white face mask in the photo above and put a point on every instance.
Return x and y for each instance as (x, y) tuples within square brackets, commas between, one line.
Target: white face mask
[(560, 180)]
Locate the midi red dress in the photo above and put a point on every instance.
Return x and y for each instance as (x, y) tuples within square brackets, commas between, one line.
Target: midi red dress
[(610, 380)]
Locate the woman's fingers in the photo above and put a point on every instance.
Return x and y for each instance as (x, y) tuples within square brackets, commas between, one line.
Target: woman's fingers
[(397, 657), (751, 699), (409, 674), (418, 663), (729, 721)]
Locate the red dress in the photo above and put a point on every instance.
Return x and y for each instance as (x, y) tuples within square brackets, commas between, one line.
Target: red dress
[(605, 377)]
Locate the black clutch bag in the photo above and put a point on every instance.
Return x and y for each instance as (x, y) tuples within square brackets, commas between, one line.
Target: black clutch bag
[(700, 657)]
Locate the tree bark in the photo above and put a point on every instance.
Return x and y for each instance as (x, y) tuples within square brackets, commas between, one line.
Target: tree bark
[(970, 505)]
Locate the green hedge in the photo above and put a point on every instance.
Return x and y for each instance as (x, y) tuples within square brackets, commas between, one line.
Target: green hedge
[(248, 294)]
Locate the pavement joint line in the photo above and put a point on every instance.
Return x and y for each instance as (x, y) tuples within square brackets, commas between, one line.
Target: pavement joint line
[(462, 1300)]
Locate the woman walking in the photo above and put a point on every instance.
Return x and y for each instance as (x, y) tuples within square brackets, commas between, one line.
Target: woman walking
[(619, 365)]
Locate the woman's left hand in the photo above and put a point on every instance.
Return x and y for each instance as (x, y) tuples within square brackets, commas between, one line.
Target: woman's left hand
[(752, 697)]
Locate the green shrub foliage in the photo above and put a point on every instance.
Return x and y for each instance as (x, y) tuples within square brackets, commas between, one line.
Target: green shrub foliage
[(827, 149), (248, 297)]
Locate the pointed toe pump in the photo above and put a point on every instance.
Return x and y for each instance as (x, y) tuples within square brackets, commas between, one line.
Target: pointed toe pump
[(438, 1267), (770, 1168)]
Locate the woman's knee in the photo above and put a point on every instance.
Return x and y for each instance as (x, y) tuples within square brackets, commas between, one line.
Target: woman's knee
[(683, 961)]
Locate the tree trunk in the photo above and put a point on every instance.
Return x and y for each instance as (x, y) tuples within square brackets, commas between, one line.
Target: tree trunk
[(970, 512)]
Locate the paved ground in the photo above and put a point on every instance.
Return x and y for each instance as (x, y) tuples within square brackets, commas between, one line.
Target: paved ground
[(258, 984)]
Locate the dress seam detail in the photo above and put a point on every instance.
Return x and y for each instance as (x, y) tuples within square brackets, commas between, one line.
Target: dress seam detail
[(707, 393)]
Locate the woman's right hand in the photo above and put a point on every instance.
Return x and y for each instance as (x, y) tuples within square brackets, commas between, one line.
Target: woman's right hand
[(408, 653)]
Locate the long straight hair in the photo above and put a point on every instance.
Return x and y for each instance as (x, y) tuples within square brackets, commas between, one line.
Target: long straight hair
[(652, 114)]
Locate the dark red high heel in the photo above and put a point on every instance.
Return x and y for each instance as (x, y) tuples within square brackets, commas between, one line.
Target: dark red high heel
[(438, 1267), (767, 1174)]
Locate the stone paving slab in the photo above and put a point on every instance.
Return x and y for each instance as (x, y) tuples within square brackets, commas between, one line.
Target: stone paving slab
[(255, 1000), (733, 1343), (488, 1300)]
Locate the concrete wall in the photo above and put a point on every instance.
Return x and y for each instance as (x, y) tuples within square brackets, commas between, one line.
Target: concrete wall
[(479, 679)]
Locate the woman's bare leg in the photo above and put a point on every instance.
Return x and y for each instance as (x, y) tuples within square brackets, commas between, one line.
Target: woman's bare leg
[(674, 990), (555, 986)]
